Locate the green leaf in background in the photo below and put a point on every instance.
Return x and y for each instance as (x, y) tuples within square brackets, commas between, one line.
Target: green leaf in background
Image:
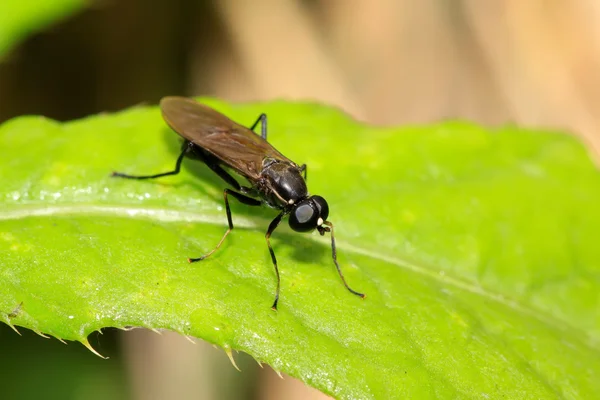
[(18, 18), (477, 251)]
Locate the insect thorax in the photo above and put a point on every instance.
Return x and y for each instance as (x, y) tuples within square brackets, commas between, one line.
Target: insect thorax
[(283, 179)]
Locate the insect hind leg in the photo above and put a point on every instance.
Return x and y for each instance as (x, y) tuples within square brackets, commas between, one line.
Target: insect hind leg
[(185, 149)]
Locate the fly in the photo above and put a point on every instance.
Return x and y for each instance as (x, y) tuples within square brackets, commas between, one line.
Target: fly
[(274, 179)]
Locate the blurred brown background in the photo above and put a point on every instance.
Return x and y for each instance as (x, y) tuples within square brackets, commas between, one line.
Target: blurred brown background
[(533, 63)]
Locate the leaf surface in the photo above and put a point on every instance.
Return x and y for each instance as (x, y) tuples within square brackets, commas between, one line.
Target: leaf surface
[(477, 250)]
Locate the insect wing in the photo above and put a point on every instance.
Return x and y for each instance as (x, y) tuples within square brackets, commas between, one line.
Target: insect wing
[(235, 145)]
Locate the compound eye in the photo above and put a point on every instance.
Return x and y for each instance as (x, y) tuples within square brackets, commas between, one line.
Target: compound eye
[(322, 206), (304, 217)]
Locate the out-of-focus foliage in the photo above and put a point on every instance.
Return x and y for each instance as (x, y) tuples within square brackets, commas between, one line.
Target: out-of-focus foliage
[(19, 18)]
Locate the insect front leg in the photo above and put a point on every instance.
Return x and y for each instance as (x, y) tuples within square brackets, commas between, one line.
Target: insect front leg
[(272, 227), (242, 199), (187, 147), (322, 231)]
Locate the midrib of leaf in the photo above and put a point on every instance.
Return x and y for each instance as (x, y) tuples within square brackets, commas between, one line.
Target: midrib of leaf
[(173, 215)]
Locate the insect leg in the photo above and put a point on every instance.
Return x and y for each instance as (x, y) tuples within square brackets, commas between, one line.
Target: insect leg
[(229, 179), (304, 169), (213, 164), (262, 118), (334, 255), (272, 227), (187, 146), (242, 199)]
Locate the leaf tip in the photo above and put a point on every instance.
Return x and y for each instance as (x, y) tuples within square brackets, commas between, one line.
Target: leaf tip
[(230, 355), (14, 328), (126, 328), (41, 334), (12, 315), (90, 348), (190, 339)]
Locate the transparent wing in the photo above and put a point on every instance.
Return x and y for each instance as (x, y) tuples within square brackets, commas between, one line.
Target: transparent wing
[(235, 145)]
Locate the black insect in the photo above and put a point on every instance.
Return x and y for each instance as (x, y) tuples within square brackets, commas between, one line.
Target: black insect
[(274, 179)]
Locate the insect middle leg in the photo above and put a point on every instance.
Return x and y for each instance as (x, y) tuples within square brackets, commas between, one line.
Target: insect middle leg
[(186, 148), (242, 199), (262, 118), (304, 169), (272, 226)]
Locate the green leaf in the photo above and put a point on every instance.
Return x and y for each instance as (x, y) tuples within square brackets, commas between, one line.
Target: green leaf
[(18, 18), (477, 251)]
